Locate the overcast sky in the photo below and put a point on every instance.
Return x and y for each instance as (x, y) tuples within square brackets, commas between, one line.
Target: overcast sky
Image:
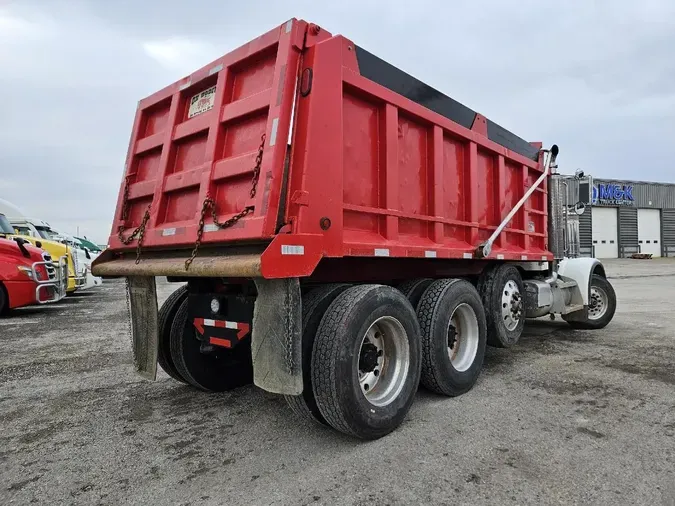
[(596, 77)]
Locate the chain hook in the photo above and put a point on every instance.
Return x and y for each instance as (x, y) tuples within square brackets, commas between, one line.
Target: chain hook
[(210, 205)]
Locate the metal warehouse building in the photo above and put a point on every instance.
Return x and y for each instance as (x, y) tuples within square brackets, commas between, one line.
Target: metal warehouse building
[(628, 217)]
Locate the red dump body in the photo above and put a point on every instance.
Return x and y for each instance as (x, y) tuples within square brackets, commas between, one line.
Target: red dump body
[(379, 163)]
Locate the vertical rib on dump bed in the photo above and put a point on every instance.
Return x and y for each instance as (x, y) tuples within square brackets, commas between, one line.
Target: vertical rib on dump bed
[(200, 137)]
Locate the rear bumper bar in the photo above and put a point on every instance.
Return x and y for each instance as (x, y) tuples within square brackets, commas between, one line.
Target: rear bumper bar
[(287, 256), (235, 266)]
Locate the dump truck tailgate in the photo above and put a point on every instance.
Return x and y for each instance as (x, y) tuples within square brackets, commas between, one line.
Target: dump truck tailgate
[(200, 137)]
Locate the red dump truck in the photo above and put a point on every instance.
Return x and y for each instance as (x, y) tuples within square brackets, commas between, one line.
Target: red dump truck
[(343, 232)]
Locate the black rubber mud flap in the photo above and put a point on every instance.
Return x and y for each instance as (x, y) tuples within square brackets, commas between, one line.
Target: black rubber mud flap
[(143, 314), (276, 338)]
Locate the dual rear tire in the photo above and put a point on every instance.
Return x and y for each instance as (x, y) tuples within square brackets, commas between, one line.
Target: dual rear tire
[(187, 359), (502, 290), (370, 349)]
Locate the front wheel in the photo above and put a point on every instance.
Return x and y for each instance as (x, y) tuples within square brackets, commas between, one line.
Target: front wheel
[(366, 361), (601, 305)]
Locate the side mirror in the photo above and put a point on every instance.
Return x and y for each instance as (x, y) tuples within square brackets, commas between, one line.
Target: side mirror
[(579, 208)]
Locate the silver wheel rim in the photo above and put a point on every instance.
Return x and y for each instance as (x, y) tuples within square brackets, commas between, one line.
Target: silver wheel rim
[(463, 337), (384, 360), (598, 304), (512, 305)]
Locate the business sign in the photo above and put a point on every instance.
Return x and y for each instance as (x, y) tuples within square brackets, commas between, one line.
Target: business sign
[(613, 195)]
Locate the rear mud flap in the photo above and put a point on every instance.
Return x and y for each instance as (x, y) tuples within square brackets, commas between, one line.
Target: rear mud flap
[(276, 339), (142, 298)]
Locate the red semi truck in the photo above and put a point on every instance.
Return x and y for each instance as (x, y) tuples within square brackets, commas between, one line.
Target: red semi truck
[(343, 232), (27, 274)]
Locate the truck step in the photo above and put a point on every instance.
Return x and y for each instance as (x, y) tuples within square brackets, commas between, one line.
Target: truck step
[(566, 284), (572, 308)]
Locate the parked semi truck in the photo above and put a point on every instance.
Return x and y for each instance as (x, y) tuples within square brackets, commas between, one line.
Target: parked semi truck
[(28, 275), (343, 232), (76, 277)]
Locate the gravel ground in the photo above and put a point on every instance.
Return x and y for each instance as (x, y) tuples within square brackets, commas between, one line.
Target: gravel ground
[(565, 417)]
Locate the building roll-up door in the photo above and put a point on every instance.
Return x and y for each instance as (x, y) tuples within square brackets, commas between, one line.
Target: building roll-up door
[(586, 233), (628, 231), (605, 232), (668, 232), (649, 231)]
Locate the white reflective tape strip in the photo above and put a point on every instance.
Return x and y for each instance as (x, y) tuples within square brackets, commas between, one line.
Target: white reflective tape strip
[(289, 25), (216, 69), (468, 255), (168, 231), (523, 257), (231, 325), (287, 249), (500, 257), (384, 252), (211, 227), (273, 135), (430, 254), (209, 323), (185, 85)]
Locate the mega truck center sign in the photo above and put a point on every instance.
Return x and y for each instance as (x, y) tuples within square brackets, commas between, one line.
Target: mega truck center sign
[(613, 195)]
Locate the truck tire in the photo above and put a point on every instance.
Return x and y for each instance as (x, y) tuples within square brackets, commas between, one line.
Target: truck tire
[(165, 318), (501, 290), (216, 371), (4, 301), (414, 288), (366, 361), (601, 308), (314, 305), (452, 321)]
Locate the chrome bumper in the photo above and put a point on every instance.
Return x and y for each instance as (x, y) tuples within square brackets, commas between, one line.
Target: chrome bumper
[(54, 288)]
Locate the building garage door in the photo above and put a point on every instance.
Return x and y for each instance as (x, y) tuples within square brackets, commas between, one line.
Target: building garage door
[(605, 232), (649, 231)]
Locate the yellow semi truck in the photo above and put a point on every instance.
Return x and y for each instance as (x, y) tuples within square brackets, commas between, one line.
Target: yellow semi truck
[(57, 250)]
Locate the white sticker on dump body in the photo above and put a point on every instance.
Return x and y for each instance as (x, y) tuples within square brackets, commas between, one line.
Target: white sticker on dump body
[(202, 102), (288, 249)]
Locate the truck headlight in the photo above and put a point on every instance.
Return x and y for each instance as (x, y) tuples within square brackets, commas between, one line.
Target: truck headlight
[(215, 306), (26, 270)]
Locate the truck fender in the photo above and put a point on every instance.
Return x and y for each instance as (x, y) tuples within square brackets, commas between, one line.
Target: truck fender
[(142, 297), (276, 336), (581, 270)]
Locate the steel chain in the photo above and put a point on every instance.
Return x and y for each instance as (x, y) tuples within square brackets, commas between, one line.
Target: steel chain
[(138, 231), (127, 288), (210, 205)]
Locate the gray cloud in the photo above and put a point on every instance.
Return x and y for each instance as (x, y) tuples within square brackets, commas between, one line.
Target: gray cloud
[(596, 77)]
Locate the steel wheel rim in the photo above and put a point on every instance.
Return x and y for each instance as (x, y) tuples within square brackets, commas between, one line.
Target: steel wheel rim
[(384, 361), (511, 305), (463, 337), (599, 303)]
